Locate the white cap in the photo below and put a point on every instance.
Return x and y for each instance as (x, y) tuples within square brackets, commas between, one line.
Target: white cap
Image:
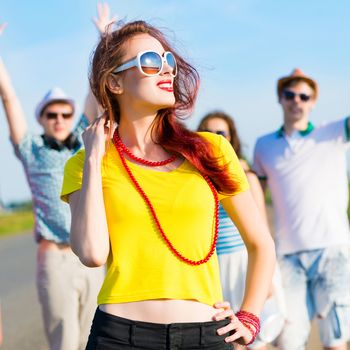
[(53, 95)]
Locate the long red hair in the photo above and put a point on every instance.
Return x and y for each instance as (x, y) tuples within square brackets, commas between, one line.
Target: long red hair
[(167, 128)]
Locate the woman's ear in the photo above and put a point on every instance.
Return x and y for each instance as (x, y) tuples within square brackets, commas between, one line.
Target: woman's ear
[(115, 84)]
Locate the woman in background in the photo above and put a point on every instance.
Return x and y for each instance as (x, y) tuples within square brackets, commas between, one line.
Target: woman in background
[(231, 250)]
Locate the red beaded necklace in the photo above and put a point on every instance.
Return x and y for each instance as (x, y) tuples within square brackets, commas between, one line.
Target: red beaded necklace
[(117, 140), (121, 148)]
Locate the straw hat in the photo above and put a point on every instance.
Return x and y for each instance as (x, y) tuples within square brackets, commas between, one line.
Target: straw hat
[(297, 73)]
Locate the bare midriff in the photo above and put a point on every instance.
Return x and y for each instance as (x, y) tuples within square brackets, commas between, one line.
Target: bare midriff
[(162, 311)]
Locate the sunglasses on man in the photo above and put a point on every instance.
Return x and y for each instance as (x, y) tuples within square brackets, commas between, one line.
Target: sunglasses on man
[(290, 95), (54, 115), (150, 63)]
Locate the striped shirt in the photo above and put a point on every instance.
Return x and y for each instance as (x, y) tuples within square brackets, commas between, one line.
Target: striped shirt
[(229, 239)]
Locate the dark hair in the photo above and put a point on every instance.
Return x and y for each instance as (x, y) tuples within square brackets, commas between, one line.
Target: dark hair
[(234, 138), (167, 128)]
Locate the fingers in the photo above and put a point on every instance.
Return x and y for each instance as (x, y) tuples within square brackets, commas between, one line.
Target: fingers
[(96, 129), (103, 19), (232, 326), (102, 119), (235, 330), (100, 7), (226, 313), (222, 305), (102, 10), (234, 337)]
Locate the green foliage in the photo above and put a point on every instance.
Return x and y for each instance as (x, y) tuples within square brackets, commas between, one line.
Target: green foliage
[(20, 206), (268, 199), (16, 221)]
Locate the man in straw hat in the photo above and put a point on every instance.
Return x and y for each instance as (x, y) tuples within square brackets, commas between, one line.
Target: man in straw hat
[(305, 169)]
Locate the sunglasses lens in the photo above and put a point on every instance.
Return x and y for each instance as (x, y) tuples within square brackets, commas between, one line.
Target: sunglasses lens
[(304, 97), (220, 132), (171, 61), (51, 115), (54, 115), (289, 95), (151, 63)]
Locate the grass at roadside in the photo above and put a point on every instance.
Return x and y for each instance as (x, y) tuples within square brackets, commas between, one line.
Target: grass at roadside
[(17, 221)]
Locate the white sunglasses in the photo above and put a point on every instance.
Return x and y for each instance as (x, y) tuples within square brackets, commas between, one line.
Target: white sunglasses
[(150, 63)]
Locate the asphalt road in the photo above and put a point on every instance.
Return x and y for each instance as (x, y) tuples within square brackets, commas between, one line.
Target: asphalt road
[(22, 322)]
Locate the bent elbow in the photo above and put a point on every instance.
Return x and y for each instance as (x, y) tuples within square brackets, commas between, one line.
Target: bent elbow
[(90, 261), (265, 246), (90, 258)]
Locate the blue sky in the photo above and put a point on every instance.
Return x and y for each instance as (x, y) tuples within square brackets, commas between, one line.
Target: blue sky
[(240, 47)]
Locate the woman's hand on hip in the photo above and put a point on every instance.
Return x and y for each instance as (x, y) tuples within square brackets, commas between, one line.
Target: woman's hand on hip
[(236, 330)]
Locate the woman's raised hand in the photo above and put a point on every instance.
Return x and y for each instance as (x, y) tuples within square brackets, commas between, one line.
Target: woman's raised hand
[(103, 18), (95, 137)]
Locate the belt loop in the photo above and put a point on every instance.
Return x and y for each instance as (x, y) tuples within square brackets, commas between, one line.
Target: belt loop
[(132, 334), (201, 335)]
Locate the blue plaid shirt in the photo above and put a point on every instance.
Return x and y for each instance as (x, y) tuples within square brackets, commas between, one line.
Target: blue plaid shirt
[(44, 167)]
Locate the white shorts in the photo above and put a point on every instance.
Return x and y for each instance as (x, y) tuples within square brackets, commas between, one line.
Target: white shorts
[(233, 270)]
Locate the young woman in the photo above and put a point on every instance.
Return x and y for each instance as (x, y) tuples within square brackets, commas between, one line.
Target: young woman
[(146, 202), (232, 253)]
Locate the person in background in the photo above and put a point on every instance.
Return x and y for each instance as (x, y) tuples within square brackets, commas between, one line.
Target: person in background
[(231, 250), (67, 289), (305, 168), (147, 204)]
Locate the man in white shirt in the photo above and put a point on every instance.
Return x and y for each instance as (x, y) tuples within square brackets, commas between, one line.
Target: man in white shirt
[(305, 169)]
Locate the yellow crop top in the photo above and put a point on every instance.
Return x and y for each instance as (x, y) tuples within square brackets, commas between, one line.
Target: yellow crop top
[(140, 265)]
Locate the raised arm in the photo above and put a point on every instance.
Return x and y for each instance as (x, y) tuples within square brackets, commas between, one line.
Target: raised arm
[(89, 233), (102, 21), (91, 108), (12, 106)]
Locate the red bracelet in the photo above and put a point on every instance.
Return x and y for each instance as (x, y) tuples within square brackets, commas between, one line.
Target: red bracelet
[(249, 320)]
